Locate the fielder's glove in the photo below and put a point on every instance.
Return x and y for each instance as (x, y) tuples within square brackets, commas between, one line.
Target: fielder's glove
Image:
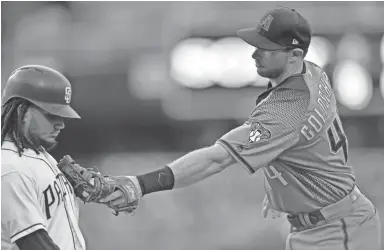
[(91, 186)]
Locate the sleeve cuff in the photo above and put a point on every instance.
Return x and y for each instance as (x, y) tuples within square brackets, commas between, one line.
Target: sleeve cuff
[(236, 156), (27, 231)]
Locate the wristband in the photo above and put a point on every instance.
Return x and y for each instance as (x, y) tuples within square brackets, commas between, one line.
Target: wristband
[(159, 180)]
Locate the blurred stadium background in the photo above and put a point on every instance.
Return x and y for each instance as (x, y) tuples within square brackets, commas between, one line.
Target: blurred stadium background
[(154, 80)]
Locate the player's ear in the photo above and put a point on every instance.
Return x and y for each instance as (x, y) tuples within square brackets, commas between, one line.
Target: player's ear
[(296, 55), (299, 53)]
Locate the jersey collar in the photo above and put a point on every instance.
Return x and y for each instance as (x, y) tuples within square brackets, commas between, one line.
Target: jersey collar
[(287, 83), (27, 151)]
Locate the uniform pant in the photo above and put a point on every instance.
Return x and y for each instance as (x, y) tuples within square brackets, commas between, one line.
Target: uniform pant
[(360, 229)]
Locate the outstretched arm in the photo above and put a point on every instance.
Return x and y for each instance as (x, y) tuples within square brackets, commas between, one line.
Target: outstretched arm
[(200, 164), (260, 140), (185, 171)]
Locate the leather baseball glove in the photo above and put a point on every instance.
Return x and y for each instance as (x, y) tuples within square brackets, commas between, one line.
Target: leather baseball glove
[(91, 186)]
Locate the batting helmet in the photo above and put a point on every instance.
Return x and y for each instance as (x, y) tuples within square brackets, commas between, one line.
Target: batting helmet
[(42, 86)]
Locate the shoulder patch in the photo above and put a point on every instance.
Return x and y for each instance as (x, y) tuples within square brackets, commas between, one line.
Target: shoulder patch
[(257, 132)]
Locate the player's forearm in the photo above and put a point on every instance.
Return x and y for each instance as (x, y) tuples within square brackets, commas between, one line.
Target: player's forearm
[(194, 167), (187, 170)]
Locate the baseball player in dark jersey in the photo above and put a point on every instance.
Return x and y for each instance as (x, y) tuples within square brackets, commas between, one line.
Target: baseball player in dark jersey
[(295, 136)]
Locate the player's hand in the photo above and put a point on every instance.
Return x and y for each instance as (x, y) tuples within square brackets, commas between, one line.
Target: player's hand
[(267, 209), (118, 198)]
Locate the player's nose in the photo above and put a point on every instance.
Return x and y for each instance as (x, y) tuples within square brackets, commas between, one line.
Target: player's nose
[(256, 54), (59, 123)]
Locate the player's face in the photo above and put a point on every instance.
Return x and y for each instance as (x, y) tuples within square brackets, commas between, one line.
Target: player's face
[(270, 64), (41, 127)]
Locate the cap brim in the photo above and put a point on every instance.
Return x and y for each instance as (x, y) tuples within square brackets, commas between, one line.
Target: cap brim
[(61, 110), (252, 37)]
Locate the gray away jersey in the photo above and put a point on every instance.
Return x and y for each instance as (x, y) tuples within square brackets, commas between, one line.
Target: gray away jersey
[(295, 135)]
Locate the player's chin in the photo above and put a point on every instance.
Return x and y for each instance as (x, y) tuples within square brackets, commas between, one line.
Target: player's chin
[(49, 142), (49, 138), (263, 72), (268, 73)]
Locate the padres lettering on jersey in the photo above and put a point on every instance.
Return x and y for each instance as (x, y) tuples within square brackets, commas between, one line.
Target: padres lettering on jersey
[(36, 195), (54, 194), (295, 135)]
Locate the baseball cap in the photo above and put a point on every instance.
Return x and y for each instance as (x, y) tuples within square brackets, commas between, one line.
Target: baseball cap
[(281, 28)]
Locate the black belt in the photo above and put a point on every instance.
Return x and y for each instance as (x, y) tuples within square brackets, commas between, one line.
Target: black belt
[(305, 219)]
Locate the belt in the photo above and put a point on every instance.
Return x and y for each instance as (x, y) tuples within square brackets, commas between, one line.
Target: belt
[(329, 213), (303, 220)]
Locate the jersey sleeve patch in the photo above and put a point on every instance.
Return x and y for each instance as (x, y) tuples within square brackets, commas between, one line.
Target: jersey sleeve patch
[(257, 132)]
